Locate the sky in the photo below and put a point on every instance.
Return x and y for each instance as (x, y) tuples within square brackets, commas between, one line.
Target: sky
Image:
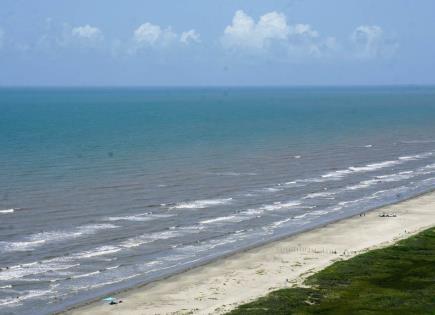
[(216, 43)]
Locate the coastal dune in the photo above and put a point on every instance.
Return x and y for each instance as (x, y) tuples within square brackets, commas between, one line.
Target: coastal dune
[(220, 286)]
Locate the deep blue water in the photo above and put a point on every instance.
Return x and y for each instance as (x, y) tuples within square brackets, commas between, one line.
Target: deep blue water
[(102, 189)]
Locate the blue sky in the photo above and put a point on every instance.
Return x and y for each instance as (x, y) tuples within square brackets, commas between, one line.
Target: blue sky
[(220, 42)]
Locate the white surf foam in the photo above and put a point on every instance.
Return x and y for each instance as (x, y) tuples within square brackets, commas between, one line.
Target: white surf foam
[(323, 194), (34, 268), (212, 244), (276, 206), (130, 218), (7, 211), (40, 239), (175, 257), (70, 234), (251, 212), (84, 275), (99, 284), (298, 217), (416, 156), (318, 212), (418, 141), (272, 189), (336, 175), (230, 218), (357, 201), (201, 204), (396, 177), (429, 167), (19, 246), (12, 301), (63, 263), (139, 217), (373, 166), (291, 183), (57, 264), (99, 251), (233, 174), (113, 267), (301, 216), (279, 205), (148, 238), (281, 222)]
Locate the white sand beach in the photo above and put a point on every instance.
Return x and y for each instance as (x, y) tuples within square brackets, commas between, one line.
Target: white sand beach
[(222, 285)]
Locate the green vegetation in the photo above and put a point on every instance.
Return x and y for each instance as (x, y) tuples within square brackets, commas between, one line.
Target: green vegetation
[(399, 279)]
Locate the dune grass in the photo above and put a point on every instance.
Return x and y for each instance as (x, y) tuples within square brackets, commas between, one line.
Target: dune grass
[(399, 279)]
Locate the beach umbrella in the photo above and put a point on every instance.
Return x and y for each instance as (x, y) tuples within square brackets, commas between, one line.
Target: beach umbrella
[(109, 299)]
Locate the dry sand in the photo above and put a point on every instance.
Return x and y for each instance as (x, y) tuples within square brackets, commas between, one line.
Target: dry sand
[(221, 285)]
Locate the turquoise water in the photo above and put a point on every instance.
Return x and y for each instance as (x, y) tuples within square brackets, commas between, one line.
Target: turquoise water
[(102, 189)]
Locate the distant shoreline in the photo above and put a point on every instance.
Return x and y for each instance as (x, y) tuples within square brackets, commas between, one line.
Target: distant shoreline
[(220, 285)]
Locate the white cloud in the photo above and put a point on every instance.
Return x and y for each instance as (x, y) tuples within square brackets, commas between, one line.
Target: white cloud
[(274, 37), (303, 30), (62, 36), (370, 41), (273, 25), (156, 37), (87, 32), (150, 34), (244, 32), (189, 37)]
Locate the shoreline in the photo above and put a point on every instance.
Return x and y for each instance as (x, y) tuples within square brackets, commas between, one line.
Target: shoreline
[(221, 284)]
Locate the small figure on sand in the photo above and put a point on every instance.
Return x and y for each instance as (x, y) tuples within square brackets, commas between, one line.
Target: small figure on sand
[(112, 301), (387, 215)]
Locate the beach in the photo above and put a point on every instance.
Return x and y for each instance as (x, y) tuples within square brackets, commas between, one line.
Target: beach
[(219, 161), (220, 286), (190, 176)]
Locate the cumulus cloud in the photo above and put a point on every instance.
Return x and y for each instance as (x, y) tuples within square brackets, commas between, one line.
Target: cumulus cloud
[(244, 32), (190, 36), (87, 32), (155, 37), (303, 30), (59, 36), (152, 35), (269, 36), (370, 41), (272, 34)]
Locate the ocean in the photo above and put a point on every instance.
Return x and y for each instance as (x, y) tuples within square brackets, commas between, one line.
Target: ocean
[(102, 189)]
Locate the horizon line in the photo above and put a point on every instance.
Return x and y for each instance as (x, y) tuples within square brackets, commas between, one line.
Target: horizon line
[(222, 86)]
